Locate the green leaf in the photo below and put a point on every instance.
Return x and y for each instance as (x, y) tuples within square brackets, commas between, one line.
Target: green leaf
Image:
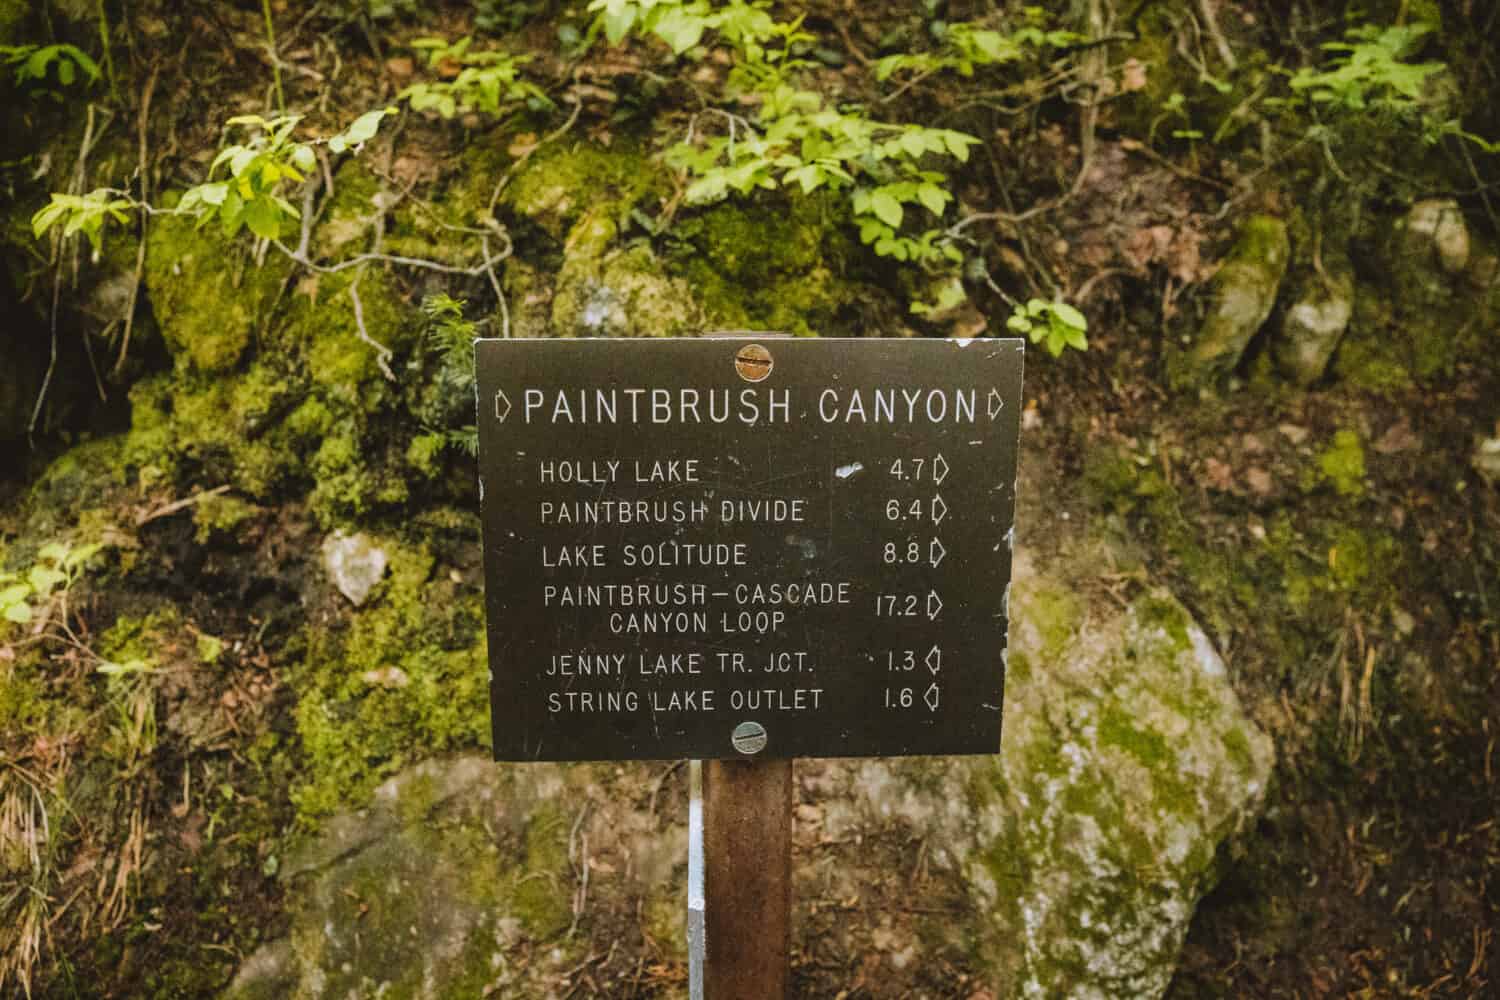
[(14, 594), (680, 29), (886, 208), (77, 557), (53, 552), (19, 614), (617, 23), (1070, 316), (933, 198), (44, 578), (263, 217)]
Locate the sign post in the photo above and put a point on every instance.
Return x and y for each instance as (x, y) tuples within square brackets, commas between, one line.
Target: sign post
[(744, 552)]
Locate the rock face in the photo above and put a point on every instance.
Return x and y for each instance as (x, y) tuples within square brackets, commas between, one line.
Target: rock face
[(1242, 296), (1315, 321), (1083, 847)]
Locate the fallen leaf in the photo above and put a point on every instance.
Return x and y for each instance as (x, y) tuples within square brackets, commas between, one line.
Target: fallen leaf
[(1260, 481), (400, 67), (1398, 439), (1133, 75), (1218, 475), (1293, 433)]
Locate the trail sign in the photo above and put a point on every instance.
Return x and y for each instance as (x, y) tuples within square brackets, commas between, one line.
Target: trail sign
[(717, 548)]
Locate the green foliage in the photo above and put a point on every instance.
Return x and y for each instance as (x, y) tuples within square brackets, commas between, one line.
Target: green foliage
[(36, 64), (797, 140), (969, 45), (252, 196), (1372, 75), (84, 214), (1370, 71), (487, 81), (57, 568), (451, 339), (1055, 325)]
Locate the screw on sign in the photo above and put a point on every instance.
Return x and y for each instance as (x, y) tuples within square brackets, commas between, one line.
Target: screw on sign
[(746, 551)]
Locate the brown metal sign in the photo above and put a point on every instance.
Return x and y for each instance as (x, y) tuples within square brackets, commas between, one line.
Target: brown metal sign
[(726, 548)]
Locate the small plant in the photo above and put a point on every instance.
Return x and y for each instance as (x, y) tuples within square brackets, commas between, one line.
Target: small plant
[(486, 81), (84, 214), (969, 45), (1055, 325), (1370, 71), (450, 337), (36, 65), (260, 171), (25, 596)]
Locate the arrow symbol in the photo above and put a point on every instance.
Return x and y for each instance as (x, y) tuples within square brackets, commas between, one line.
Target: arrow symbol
[(502, 405), (931, 697), (935, 552), (934, 660), (934, 605), (939, 470), (996, 404), (939, 508)]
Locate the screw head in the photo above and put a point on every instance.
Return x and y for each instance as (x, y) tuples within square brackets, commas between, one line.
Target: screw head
[(749, 738), (753, 362)]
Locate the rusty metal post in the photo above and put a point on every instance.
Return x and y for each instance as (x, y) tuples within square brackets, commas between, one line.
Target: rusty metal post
[(747, 841)]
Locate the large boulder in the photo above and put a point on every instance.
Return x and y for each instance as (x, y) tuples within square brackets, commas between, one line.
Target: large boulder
[(1126, 761), (1080, 851), (1241, 297)]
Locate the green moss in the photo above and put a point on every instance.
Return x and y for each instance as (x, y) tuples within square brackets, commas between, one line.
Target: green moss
[(538, 900), (322, 330), (220, 515), (561, 181), (1169, 616), (1055, 613), (207, 296), (1343, 464), (405, 678), (775, 266)]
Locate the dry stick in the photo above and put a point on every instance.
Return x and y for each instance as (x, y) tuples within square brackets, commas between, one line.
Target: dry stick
[(1211, 22), (76, 186), (140, 252)]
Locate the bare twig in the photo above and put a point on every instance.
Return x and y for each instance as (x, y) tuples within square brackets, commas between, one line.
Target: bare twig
[(383, 354), (140, 251), (168, 509)]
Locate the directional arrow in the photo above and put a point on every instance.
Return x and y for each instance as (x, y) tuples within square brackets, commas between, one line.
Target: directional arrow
[(935, 553), (931, 697), (939, 508), (995, 403), (939, 469), (502, 405), (934, 605), (934, 660)]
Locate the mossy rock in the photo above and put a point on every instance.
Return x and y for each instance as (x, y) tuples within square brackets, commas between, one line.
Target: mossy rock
[(458, 878), (774, 266), (209, 297), (1126, 761), (561, 182), (1241, 297), (404, 677)]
